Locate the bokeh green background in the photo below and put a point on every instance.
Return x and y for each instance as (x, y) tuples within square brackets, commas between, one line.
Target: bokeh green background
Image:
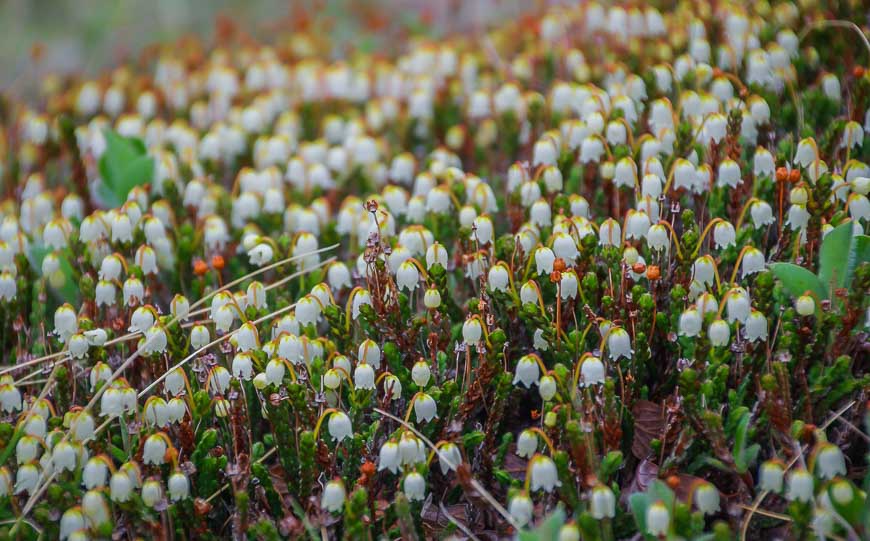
[(86, 35)]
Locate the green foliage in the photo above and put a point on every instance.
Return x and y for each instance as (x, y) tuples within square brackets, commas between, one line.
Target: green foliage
[(124, 165)]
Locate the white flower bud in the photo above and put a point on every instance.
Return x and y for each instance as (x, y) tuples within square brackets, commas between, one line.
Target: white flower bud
[(547, 387), (388, 458), (737, 305), (704, 269), (247, 337), (658, 238), (472, 331), (63, 456), (603, 502), (637, 224), (339, 426), (449, 457), (72, 520), (432, 298), (95, 509), (370, 353), (527, 371), (753, 262), (364, 376), (543, 474), (180, 307), (414, 487), (756, 326), (658, 519), (78, 346), (308, 310), (179, 486), (761, 213), (333, 496), (95, 474), (800, 486), (829, 461), (10, 396), (436, 253), (27, 449), (174, 382), (521, 509), (544, 259), (26, 478), (770, 476), (706, 498), (154, 450), (152, 492), (498, 277), (724, 235), (719, 333), (120, 487), (425, 408), (407, 276), (619, 344), (527, 444), (805, 305), (420, 373)]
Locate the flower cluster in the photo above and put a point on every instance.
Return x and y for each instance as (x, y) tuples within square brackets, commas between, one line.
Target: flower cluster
[(607, 264)]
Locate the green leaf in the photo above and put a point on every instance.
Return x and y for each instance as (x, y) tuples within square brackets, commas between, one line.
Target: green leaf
[(610, 464), (848, 509), (835, 252), (124, 165), (798, 280), (639, 502), (472, 439), (859, 253), (744, 456), (658, 490), (69, 288)]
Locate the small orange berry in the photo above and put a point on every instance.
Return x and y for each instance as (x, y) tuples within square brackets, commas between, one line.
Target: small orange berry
[(199, 267), (368, 469), (781, 174), (217, 261), (794, 176), (559, 265), (858, 72), (638, 268), (673, 482), (653, 272)]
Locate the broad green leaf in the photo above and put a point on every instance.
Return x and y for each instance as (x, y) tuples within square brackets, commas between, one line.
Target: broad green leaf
[(124, 165), (798, 280), (639, 502), (68, 289), (833, 257), (658, 490), (859, 253), (848, 509)]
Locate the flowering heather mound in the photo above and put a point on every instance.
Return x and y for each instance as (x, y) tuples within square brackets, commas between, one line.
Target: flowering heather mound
[(601, 273)]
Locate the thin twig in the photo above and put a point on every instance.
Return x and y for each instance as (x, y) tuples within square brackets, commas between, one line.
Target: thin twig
[(458, 524), (758, 499)]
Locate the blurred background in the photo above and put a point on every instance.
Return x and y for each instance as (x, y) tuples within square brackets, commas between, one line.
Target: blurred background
[(87, 35)]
